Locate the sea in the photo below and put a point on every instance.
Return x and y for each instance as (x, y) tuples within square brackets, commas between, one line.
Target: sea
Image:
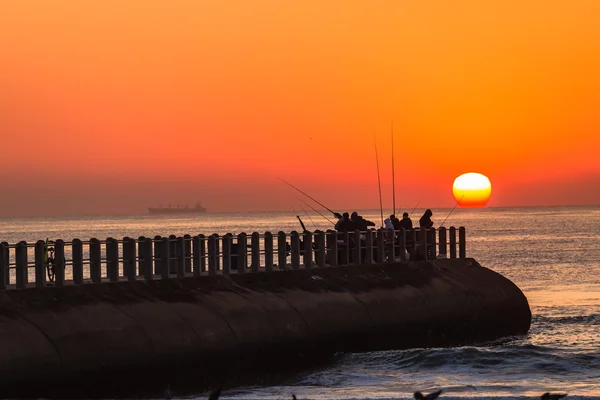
[(551, 253)]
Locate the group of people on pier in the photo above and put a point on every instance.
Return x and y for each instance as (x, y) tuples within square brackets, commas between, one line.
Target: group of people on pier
[(349, 223)]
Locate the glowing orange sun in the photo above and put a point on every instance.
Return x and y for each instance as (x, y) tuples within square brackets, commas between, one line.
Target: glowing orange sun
[(472, 190)]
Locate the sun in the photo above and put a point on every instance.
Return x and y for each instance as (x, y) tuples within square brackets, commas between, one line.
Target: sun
[(472, 190)]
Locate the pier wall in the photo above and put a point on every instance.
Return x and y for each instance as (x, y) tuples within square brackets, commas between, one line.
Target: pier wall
[(74, 339)]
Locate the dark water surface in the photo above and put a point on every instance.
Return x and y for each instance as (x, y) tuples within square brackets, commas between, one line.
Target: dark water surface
[(552, 254)]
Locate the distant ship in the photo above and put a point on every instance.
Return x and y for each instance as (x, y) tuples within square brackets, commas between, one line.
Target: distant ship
[(177, 210)]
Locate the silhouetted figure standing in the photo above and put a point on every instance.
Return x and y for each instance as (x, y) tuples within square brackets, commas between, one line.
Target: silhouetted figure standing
[(425, 222), (406, 222), (395, 222), (344, 224), (358, 222)]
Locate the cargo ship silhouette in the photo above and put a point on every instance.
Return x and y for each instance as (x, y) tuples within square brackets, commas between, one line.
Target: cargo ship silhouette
[(177, 210)]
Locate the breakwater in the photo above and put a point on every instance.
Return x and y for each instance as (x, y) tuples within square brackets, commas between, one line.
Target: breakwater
[(75, 339)]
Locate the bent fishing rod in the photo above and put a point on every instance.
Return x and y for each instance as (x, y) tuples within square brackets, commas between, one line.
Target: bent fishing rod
[(414, 208), (452, 210), (315, 225), (299, 219), (337, 215), (315, 210)]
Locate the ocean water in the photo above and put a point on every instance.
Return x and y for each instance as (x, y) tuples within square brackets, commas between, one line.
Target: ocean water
[(552, 254)]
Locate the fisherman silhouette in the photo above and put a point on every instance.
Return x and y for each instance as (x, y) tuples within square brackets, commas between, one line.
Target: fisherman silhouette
[(406, 222), (395, 222), (358, 222), (344, 224), (430, 396), (425, 221)]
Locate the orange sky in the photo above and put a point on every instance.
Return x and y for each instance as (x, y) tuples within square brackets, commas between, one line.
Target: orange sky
[(113, 106)]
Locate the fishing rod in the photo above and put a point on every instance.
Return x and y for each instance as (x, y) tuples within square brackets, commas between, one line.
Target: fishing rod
[(315, 225), (337, 215), (393, 179), (315, 210), (378, 179), (452, 210), (301, 223), (414, 208)]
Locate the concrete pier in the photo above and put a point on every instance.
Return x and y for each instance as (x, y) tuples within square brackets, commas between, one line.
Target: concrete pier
[(79, 340), (117, 317)]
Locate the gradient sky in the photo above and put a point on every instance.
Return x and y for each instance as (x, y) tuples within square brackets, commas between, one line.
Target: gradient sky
[(112, 106)]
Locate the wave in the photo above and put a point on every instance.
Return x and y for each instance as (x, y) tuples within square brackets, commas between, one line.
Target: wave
[(592, 319)]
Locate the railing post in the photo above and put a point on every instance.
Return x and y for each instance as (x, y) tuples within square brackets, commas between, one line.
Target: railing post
[(217, 252), (187, 253), (4, 265), (145, 255), (242, 252), (369, 246), (202, 256), (196, 255), (320, 252), (381, 245), (462, 242), (308, 251), (452, 242), (268, 251), (391, 247), (356, 257), (181, 257), (423, 243), (226, 254), (129, 259), (402, 240), (442, 241), (173, 254), (412, 240), (255, 247), (431, 243), (40, 263), (163, 263), (77, 261), (233, 252), (59, 262), (295, 251), (21, 267), (141, 253), (112, 259), (95, 261), (157, 250), (332, 248), (344, 258), (176, 255), (281, 250), (212, 255)]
